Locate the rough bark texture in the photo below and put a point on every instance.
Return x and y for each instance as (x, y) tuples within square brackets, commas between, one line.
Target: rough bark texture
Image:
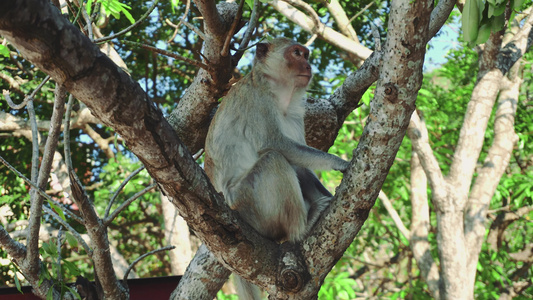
[(176, 234), (461, 211), (389, 116), (47, 39), (204, 277)]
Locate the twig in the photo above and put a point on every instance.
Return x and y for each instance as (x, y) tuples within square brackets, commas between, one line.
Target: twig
[(59, 236), (34, 141), (254, 17), (187, 6), (140, 258), (115, 213), (40, 191), (108, 38), (122, 185), (88, 22), (42, 179), (66, 133), (170, 54), (311, 40), (26, 99), (195, 29), (54, 215), (248, 34), (309, 10), (190, 26), (375, 35), (77, 18), (361, 11), (225, 49), (394, 215)]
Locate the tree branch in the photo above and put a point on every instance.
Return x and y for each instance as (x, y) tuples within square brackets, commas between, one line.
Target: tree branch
[(328, 34), (32, 257)]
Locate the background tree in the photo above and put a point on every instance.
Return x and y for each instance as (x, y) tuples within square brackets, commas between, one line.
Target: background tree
[(448, 146)]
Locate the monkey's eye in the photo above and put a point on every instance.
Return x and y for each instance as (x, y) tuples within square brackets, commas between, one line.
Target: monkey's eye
[(297, 52)]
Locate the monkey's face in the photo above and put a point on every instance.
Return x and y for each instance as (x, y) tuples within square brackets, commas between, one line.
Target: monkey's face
[(297, 62)]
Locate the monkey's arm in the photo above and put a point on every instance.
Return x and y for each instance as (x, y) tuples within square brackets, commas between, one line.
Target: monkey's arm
[(308, 157)]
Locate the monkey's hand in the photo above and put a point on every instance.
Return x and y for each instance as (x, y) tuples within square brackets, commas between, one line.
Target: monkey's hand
[(342, 165)]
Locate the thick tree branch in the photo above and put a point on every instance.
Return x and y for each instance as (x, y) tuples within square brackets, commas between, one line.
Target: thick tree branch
[(390, 112), (493, 168), (420, 226), (195, 107), (43, 36), (418, 134)]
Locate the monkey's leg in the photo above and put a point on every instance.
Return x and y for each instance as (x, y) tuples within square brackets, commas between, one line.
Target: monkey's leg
[(316, 196), (276, 208)]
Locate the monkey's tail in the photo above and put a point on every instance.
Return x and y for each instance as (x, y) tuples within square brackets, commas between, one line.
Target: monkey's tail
[(246, 290)]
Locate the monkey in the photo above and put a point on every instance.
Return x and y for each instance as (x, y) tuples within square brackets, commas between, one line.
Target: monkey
[(255, 150)]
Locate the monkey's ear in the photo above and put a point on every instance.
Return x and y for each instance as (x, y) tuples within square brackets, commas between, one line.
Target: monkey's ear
[(261, 51)]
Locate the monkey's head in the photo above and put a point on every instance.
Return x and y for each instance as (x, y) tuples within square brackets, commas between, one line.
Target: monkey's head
[(284, 60)]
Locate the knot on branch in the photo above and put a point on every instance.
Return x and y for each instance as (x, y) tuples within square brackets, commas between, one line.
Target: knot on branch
[(291, 281), (391, 92), (292, 270)]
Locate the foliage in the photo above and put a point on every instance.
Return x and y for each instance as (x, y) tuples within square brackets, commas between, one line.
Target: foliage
[(379, 261), (380, 251)]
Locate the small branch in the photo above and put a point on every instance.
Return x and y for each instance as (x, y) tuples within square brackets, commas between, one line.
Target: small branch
[(361, 11), (225, 49), (44, 174), (243, 46), (418, 134), (394, 215), (311, 40), (170, 54), (88, 23), (66, 133), (12, 247), (40, 191), (187, 6), (54, 215), (254, 17), (115, 213), (34, 141), (140, 258), (105, 39), (376, 36), (122, 185), (26, 99), (309, 10), (97, 232), (101, 142), (195, 29), (59, 236)]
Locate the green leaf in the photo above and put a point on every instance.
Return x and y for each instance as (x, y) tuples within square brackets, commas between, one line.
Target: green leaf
[(57, 209), (498, 22), (17, 283), (71, 268), (250, 3), (89, 6), (174, 5), (71, 240), (73, 292), (483, 34), (517, 4), (50, 294), (470, 20), (4, 50)]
